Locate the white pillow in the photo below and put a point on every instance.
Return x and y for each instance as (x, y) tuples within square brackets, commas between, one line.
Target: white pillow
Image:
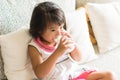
[(78, 28), (17, 64), (105, 20)]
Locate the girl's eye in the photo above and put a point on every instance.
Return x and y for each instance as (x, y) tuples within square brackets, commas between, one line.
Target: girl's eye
[(52, 30)]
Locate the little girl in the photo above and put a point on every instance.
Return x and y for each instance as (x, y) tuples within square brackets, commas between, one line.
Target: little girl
[(51, 59)]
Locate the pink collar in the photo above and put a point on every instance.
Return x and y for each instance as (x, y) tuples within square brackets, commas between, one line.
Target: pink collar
[(44, 46)]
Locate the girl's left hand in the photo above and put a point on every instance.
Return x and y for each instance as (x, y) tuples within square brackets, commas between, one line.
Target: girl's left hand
[(65, 33)]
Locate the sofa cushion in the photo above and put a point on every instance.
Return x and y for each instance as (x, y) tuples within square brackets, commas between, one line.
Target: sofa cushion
[(14, 52), (105, 20), (78, 28), (2, 75)]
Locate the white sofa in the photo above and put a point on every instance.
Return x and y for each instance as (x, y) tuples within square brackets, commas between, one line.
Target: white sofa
[(15, 14)]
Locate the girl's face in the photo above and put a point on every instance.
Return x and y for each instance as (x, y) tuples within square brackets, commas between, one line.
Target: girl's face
[(52, 32)]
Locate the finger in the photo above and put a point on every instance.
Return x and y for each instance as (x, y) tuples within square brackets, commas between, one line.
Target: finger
[(67, 46), (65, 40), (67, 35)]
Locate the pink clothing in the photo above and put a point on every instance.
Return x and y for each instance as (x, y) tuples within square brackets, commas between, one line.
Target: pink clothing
[(43, 46), (83, 76)]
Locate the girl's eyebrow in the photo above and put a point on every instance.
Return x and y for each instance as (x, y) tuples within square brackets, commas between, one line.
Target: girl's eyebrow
[(51, 27)]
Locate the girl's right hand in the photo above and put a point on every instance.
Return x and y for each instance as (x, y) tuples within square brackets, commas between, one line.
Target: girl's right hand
[(64, 44)]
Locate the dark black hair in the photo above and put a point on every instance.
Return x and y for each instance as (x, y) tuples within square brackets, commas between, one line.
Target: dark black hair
[(43, 14)]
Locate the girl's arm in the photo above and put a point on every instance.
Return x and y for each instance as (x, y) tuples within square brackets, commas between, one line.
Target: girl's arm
[(76, 54), (43, 68)]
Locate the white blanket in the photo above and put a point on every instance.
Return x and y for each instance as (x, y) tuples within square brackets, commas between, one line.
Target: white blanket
[(107, 61)]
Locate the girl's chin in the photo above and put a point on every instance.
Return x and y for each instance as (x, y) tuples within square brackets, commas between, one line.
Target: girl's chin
[(53, 41)]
